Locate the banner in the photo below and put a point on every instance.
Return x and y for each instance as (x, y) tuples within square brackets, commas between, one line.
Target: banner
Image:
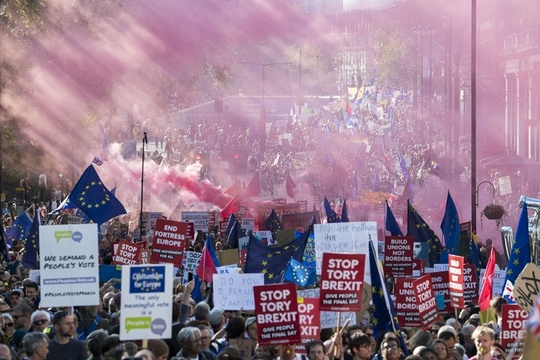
[(470, 283), (310, 322), (69, 265), (169, 244), (276, 307), (200, 219), (190, 262), (342, 281), (455, 274), (441, 288), (146, 302), (398, 255)]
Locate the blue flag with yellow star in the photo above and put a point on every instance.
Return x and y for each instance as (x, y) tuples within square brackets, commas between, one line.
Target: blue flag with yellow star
[(384, 314), (300, 274), (521, 250), (391, 223), (272, 261), (20, 228), (331, 215), (234, 234), (94, 199), (420, 230), (31, 247), (272, 222), (450, 229)]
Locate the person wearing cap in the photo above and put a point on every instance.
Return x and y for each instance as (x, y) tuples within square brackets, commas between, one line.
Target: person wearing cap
[(217, 321), (449, 334), (63, 346), (251, 329), (15, 297)]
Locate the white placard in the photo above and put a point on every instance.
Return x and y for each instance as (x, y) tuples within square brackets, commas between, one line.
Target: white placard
[(198, 218), (235, 291), (505, 185), (248, 224), (228, 269), (146, 302), (498, 281), (69, 265), (191, 260), (351, 238)]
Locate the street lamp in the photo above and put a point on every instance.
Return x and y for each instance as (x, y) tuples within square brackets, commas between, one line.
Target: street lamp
[(262, 120), (3, 6)]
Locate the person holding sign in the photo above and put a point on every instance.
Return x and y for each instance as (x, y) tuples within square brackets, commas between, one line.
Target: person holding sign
[(484, 338)]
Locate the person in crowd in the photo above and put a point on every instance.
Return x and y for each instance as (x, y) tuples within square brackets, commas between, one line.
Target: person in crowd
[(390, 349), (206, 337), (159, 348), (496, 304), (36, 345), (189, 339), (251, 330), (93, 343), (40, 319), (346, 338), (31, 291), (15, 297), (6, 352), (498, 352), (441, 348), (21, 317), (428, 354), (315, 350), (360, 346), (63, 346), (484, 339), (201, 311), (449, 335), (229, 353)]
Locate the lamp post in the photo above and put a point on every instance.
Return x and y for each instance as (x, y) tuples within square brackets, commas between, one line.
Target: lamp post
[(262, 129), (3, 6), (473, 116)]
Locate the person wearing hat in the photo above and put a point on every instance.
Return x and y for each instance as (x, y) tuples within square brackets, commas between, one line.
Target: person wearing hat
[(251, 330), (63, 346)]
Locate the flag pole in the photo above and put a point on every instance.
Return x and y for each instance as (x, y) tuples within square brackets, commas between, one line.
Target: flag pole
[(145, 140)]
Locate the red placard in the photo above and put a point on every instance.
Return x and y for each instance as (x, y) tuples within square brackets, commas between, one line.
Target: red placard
[(406, 305), (276, 307), (127, 253), (398, 255), (310, 322), (169, 244), (427, 304), (470, 283), (342, 281), (455, 274), (419, 267), (513, 329), (441, 287)]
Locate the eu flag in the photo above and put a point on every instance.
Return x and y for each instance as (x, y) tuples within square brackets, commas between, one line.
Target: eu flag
[(300, 274), (384, 314), (94, 199), (420, 230), (331, 215), (31, 247), (233, 236), (272, 261), (521, 250), (391, 224), (450, 229), (272, 222), (21, 227), (344, 213)]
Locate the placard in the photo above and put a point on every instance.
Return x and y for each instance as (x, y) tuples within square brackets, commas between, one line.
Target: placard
[(191, 260), (406, 304), (498, 281), (329, 319), (441, 288), (127, 253), (527, 287), (199, 219), (342, 281), (278, 321), (234, 291), (350, 238), (513, 329), (470, 283), (146, 302), (455, 274), (310, 322), (169, 244), (248, 224), (69, 265), (398, 255), (427, 304)]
